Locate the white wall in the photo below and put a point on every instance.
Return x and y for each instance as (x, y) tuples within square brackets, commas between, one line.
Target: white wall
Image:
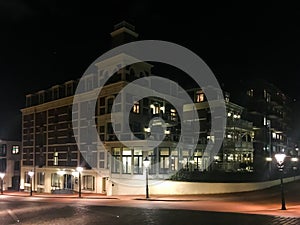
[(189, 188)]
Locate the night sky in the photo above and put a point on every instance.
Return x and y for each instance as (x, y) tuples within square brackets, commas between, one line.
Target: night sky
[(47, 42)]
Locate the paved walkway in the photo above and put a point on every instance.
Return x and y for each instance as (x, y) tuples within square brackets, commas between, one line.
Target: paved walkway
[(215, 203), (266, 202), (49, 195)]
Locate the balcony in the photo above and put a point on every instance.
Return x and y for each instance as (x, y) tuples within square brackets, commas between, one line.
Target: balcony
[(141, 136), (240, 124), (237, 144)]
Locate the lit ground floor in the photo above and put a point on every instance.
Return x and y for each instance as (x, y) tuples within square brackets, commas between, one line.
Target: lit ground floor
[(69, 180), (63, 180), (11, 174), (121, 170)]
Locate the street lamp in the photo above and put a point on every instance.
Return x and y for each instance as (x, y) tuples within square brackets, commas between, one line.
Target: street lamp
[(30, 173), (146, 163), (2, 176), (280, 160), (79, 170)]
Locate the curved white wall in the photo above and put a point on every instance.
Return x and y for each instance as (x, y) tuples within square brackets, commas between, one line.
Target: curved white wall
[(189, 188)]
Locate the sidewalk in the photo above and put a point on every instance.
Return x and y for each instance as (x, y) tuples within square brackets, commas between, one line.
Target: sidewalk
[(213, 203), (49, 195)]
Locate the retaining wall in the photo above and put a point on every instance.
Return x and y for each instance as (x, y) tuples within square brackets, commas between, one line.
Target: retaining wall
[(188, 188)]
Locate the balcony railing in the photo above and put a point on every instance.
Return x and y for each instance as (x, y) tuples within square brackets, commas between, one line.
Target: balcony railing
[(240, 124)]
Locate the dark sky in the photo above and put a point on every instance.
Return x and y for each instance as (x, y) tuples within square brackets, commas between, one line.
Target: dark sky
[(47, 42)]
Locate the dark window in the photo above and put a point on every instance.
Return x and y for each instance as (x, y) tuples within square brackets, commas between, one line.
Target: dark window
[(102, 101), (110, 103), (2, 165), (3, 149), (69, 89), (17, 165)]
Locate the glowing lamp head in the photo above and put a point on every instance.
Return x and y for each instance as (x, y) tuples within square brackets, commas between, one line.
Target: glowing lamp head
[(79, 169), (2, 175), (280, 158), (30, 173), (146, 162)]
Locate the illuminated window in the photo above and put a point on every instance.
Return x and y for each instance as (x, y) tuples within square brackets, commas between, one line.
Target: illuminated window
[(127, 160), (265, 121), (152, 158), (55, 180), (88, 182), (116, 160), (15, 149), (199, 96), (250, 92), (138, 162), (55, 163), (136, 107), (174, 160), (267, 96), (164, 159), (155, 108), (274, 135), (40, 178), (26, 178), (173, 114), (230, 157)]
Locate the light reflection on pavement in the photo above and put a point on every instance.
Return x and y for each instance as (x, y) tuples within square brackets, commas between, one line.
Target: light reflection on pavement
[(247, 208)]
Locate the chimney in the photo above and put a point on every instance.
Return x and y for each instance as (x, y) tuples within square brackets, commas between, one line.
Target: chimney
[(123, 33)]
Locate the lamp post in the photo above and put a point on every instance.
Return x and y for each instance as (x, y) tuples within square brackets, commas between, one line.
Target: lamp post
[(30, 173), (146, 163), (280, 160), (2, 177), (79, 170)]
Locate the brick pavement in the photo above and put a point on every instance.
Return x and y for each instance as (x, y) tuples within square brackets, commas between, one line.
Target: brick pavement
[(213, 208), (189, 202)]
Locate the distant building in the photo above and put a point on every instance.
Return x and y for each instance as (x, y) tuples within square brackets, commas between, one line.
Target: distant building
[(269, 110), (10, 158), (236, 153)]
